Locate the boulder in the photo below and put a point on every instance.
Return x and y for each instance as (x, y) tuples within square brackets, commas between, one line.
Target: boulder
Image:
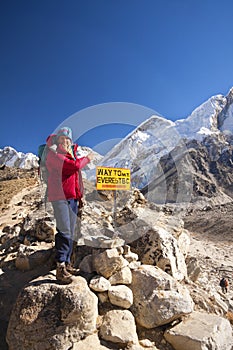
[(108, 262), (158, 298), (183, 241), (158, 247), (49, 316), (99, 284), (193, 268), (44, 230), (86, 264), (119, 327), (123, 276), (29, 258), (91, 342), (98, 236), (40, 228), (201, 331), (121, 296)]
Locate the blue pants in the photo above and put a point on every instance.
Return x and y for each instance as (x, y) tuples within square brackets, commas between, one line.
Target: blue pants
[(65, 212)]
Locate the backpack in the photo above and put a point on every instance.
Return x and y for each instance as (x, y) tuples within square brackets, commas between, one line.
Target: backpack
[(42, 170), (223, 282)]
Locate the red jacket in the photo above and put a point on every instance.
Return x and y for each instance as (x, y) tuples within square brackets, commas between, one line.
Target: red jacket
[(64, 178)]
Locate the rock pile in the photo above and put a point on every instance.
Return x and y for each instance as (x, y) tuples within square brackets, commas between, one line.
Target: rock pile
[(138, 287), (128, 295)]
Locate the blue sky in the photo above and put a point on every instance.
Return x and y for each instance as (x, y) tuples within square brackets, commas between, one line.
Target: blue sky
[(59, 57)]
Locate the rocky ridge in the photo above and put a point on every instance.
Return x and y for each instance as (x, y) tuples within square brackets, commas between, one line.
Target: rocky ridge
[(197, 172), (146, 275)]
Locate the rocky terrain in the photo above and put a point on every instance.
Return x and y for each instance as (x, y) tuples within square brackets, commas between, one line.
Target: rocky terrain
[(149, 274)]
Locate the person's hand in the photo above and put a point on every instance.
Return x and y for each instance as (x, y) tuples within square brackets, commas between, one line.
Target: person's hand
[(81, 203), (90, 156)]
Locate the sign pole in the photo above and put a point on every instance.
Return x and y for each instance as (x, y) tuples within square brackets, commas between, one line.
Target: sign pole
[(114, 209), (114, 179)]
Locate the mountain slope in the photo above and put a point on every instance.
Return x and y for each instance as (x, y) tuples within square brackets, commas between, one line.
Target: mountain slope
[(159, 150), (200, 172), (145, 150), (11, 158)]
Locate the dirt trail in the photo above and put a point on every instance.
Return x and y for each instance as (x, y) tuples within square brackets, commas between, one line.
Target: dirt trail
[(11, 279), (18, 207), (211, 243)]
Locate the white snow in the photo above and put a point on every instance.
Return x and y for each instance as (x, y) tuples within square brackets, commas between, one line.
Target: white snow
[(142, 149), (205, 131), (11, 158)]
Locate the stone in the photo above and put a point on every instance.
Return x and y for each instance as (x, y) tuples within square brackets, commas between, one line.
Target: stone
[(201, 331), (99, 237), (86, 264), (99, 284), (183, 241), (123, 276), (29, 258), (108, 262), (119, 327), (91, 342), (158, 298), (128, 255), (193, 268), (103, 297), (134, 265), (141, 347), (158, 247), (22, 263), (44, 230), (215, 297), (121, 296), (50, 316), (146, 343)]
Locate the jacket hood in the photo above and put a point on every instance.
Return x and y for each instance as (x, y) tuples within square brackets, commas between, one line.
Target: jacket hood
[(51, 140)]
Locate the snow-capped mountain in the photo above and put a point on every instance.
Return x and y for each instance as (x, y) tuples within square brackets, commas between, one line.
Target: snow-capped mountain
[(10, 157), (84, 151), (157, 148), (142, 149)]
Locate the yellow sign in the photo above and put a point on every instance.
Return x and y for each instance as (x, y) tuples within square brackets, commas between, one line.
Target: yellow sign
[(112, 178)]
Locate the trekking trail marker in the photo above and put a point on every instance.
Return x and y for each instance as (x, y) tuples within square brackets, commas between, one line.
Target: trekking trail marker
[(112, 179)]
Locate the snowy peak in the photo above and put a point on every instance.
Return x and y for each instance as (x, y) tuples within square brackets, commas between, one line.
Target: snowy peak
[(203, 120), (213, 116), (143, 148), (11, 158), (154, 131)]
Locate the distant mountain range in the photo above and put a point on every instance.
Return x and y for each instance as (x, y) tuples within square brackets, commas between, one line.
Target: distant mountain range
[(170, 161), (157, 136), (11, 158), (180, 161)]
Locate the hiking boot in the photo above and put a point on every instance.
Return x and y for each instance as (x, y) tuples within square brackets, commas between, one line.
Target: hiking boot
[(71, 269), (62, 274)]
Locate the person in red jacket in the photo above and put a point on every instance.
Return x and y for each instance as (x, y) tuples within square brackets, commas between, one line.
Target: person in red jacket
[(65, 192)]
